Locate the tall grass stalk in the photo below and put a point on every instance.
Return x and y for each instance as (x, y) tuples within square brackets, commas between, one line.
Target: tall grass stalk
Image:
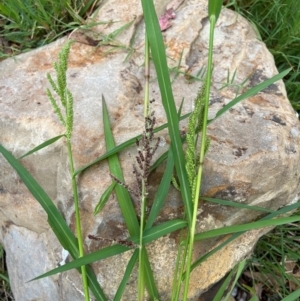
[(141, 281), (214, 8), (66, 100), (78, 221)]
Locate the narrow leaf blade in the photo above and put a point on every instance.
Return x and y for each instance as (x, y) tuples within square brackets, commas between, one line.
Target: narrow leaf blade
[(246, 227), (104, 197), (149, 236), (214, 8), (281, 211), (55, 219), (236, 204), (293, 296), (162, 191), (41, 146), (251, 92), (123, 196), (159, 58), (126, 276), (86, 259)]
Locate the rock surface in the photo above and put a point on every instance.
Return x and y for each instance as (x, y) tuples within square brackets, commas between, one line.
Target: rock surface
[(253, 157)]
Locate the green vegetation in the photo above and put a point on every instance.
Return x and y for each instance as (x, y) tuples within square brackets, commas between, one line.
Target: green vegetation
[(278, 22), (5, 293), (26, 25)]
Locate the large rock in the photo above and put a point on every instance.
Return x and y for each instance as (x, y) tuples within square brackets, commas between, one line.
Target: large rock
[(253, 157)]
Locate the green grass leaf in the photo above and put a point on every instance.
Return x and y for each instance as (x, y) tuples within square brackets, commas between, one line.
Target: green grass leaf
[(236, 204), (251, 92), (293, 296), (246, 227), (104, 197), (162, 191), (123, 196), (41, 146), (214, 8), (5, 278), (238, 269), (149, 236), (55, 219), (86, 259), (159, 59), (284, 210), (126, 276)]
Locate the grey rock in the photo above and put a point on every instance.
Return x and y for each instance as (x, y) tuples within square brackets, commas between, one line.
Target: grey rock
[(253, 157)]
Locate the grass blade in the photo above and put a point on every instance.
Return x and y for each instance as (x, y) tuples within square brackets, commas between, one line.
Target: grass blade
[(86, 259), (94, 284), (162, 191), (104, 197), (44, 144), (159, 58), (293, 296), (281, 211), (222, 289), (149, 278), (126, 276), (251, 92), (55, 219), (123, 196), (214, 8), (238, 269), (246, 227), (162, 229), (149, 236), (236, 204)]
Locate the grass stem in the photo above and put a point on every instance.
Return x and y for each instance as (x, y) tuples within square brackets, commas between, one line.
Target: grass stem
[(78, 223), (141, 280), (201, 161)]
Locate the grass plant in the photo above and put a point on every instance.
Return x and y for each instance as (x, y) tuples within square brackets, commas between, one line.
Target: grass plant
[(188, 170), (64, 111)]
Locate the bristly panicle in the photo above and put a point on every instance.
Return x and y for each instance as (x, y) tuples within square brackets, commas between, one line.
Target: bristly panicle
[(125, 185), (146, 148), (60, 88), (122, 242), (195, 124)]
